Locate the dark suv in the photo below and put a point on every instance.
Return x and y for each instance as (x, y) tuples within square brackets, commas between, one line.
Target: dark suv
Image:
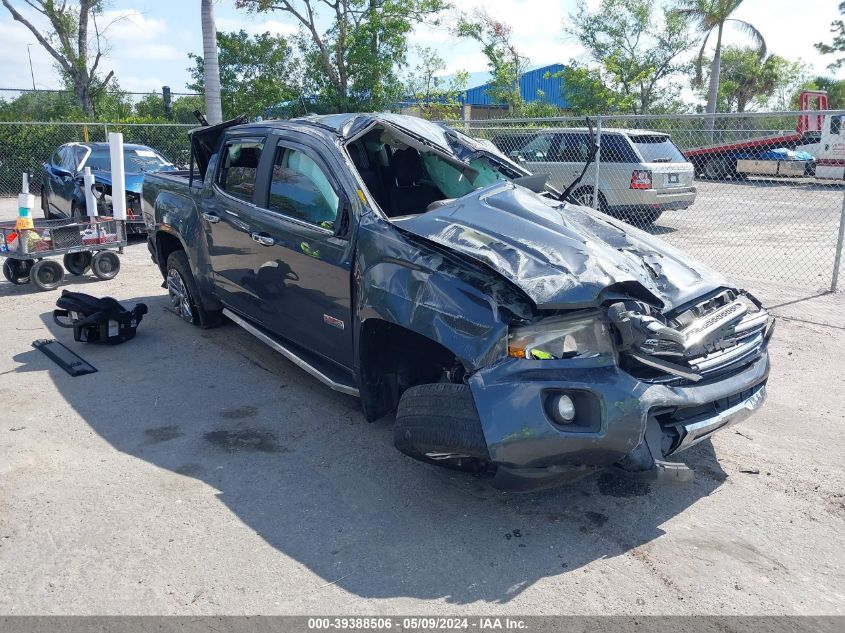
[(406, 264)]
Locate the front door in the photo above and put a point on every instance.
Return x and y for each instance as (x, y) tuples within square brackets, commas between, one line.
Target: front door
[(300, 267)]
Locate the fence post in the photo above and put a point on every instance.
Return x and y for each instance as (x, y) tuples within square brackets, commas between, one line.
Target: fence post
[(105, 132), (597, 163), (837, 258)]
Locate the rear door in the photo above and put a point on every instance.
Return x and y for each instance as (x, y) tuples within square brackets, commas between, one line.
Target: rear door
[(226, 214)]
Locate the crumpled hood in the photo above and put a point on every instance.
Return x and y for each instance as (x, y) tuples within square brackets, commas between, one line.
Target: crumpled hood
[(561, 256), (134, 180)]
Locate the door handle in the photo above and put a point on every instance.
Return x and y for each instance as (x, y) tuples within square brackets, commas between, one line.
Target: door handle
[(211, 217), (263, 239)]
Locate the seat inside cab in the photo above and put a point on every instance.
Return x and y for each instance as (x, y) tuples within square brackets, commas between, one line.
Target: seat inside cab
[(406, 180)]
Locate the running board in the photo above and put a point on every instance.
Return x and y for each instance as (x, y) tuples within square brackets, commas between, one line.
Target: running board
[(290, 355)]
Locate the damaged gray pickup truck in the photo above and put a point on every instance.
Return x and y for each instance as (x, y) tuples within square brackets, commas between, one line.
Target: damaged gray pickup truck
[(424, 272)]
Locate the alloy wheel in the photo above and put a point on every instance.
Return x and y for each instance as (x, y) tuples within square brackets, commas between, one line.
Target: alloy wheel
[(180, 298)]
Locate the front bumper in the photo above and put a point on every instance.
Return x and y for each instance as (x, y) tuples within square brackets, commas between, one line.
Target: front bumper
[(531, 450)]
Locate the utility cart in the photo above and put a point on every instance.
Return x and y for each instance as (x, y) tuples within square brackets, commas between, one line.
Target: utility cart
[(86, 244)]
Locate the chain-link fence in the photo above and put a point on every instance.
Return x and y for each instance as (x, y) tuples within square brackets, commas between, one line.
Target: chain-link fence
[(757, 196), (26, 147)]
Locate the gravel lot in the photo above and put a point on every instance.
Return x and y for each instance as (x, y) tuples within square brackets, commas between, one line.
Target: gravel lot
[(198, 472)]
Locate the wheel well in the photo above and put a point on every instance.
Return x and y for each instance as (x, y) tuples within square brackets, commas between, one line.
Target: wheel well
[(393, 358), (166, 244)]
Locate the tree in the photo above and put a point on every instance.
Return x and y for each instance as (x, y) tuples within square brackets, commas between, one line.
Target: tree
[(435, 97), (353, 63), (837, 27), (747, 82), (255, 72), (636, 48), (69, 43), (709, 16), (504, 60), (211, 71)]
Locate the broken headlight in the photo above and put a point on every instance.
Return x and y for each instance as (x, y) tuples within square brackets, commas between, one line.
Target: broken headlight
[(562, 337)]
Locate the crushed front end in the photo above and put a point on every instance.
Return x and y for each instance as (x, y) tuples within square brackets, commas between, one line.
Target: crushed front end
[(624, 386)]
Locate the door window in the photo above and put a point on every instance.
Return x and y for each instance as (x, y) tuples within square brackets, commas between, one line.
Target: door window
[(575, 148), (299, 188), (540, 149), (239, 167)]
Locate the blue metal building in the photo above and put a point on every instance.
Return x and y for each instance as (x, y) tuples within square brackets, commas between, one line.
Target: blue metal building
[(530, 84)]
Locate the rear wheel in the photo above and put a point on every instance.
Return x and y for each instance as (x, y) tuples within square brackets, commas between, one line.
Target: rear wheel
[(719, 168), (438, 424), (184, 294), (643, 218), (17, 271), (47, 274), (77, 263)]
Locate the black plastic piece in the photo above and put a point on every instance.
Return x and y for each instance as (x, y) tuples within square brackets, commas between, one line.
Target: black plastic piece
[(72, 363)]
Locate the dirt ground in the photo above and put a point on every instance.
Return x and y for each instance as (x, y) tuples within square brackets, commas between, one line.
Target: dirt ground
[(199, 472)]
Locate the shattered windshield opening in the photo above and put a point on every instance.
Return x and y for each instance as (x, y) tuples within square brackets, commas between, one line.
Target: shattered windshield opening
[(409, 180)]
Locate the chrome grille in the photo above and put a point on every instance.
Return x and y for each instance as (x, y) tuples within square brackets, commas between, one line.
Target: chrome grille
[(733, 347)]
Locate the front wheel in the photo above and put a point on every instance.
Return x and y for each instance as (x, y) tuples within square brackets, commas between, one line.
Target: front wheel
[(438, 424), (584, 197), (47, 274), (184, 294)]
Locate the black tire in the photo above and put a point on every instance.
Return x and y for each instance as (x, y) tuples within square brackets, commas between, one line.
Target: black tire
[(45, 203), (719, 168), (105, 265), (584, 197), (47, 274), (17, 271), (438, 424), (179, 279), (643, 218), (77, 263)]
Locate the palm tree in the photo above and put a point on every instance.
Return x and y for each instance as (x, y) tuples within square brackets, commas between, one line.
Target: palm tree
[(211, 69), (709, 16)]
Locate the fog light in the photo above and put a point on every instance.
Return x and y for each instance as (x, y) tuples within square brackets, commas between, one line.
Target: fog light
[(562, 408)]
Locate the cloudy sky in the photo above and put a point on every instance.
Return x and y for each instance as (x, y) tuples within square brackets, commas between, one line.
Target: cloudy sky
[(148, 46)]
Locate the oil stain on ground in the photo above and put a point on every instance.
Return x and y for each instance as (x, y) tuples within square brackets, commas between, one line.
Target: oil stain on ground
[(239, 413), (162, 434), (245, 440)]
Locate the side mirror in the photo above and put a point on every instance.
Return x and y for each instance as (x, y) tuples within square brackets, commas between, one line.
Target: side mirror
[(515, 155)]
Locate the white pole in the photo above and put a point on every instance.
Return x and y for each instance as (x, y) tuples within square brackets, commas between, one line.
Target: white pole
[(118, 176), (90, 199), (597, 164)]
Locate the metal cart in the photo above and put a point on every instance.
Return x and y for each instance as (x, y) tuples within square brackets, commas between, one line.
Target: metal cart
[(88, 243)]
